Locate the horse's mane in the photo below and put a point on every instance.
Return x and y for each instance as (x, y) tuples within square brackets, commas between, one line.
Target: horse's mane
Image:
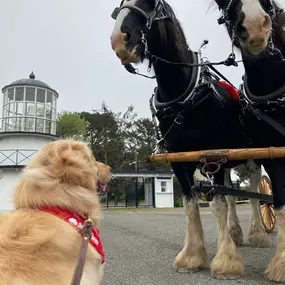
[(173, 29)]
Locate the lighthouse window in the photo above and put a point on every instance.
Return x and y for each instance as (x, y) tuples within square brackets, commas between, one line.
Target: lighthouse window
[(30, 94), (17, 122), (30, 109), (19, 108), (48, 126), (19, 96), (30, 124), (41, 95), (10, 108), (40, 110), (8, 125), (53, 114), (39, 125), (49, 98), (10, 94), (5, 98), (48, 112)]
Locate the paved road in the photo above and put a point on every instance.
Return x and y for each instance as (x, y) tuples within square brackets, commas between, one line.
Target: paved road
[(141, 245)]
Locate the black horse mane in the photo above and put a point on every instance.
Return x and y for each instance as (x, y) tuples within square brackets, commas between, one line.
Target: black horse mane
[(172, 28), (172, 35)]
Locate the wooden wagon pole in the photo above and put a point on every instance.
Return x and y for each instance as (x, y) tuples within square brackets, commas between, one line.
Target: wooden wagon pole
[(229, 154)]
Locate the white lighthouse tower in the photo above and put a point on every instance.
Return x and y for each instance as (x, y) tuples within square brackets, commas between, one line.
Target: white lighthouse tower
[(28, 121)]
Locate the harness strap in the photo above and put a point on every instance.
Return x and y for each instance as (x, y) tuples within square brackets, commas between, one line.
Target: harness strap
[(221, 75), (279, 128)]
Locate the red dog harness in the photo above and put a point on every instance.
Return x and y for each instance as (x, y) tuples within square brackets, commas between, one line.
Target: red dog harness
[(77, 221)]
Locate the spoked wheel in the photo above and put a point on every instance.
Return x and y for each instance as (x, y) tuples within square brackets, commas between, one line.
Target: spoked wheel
[(267, 210)]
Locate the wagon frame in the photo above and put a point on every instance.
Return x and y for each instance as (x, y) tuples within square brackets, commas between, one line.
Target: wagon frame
[(217, 158)]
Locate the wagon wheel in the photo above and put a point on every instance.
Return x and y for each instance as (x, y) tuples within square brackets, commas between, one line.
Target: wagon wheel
[(267, 210)]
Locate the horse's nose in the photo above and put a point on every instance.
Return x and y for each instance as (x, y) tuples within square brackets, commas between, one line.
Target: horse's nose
[(118, 41)]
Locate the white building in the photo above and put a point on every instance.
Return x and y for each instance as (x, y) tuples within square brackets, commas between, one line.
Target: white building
[(28, 121), (144, 189)]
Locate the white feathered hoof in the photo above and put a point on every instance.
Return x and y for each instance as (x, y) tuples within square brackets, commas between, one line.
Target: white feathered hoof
[(276, 269), (192, 261), (227, 264), (258, 237)]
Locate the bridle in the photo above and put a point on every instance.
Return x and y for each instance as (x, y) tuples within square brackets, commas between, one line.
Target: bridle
[(160, 13), (272, 10)]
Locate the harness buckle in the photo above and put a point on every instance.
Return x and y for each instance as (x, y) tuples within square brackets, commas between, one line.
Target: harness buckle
[(221, 20), (179, 119)]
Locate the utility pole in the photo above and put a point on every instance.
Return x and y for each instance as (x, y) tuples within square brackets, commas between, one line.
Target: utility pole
[(137, 184), (136, 160)]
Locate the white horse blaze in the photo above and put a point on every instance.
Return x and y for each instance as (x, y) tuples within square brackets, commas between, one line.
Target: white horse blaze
[(258, 25), (120, 19), (252, 9)]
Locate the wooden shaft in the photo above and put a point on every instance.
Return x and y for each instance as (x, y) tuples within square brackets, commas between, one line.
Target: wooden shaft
[(229, 154)]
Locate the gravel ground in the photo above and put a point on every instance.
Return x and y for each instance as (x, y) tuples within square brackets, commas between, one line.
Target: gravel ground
[(141, 245)]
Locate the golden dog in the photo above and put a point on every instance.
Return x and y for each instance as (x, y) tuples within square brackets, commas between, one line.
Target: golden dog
[(40, 240)]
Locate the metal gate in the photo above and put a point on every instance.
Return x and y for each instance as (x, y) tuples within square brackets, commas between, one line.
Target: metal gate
[(131, 192)]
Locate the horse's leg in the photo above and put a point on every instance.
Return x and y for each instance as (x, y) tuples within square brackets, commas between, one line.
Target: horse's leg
[(193, 256), (233, 220), (276, 170), (227, 263), (257, 236)]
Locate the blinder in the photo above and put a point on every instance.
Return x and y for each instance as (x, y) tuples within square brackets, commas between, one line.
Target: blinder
[(159, 12), (115, 13)]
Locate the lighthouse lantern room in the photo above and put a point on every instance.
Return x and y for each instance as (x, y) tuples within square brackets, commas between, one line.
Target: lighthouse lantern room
[(28, 121)]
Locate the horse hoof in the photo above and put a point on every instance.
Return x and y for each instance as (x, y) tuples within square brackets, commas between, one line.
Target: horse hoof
[(258, 237)]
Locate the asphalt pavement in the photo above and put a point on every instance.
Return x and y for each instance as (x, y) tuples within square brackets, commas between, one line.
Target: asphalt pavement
[(140, 247)]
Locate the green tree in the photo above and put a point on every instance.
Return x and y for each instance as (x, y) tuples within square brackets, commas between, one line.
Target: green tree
[(104, 137), (243, 172), (145, 137), (71, 125)]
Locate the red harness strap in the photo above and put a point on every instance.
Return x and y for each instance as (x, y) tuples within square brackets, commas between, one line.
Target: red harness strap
[(78, 222), (232, 90)]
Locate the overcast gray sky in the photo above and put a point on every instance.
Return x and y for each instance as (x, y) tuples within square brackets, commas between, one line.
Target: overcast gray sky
[(66, 43)]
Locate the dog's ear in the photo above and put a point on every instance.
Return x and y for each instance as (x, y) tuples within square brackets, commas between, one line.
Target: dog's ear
[(104, 172), (72, 163)]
